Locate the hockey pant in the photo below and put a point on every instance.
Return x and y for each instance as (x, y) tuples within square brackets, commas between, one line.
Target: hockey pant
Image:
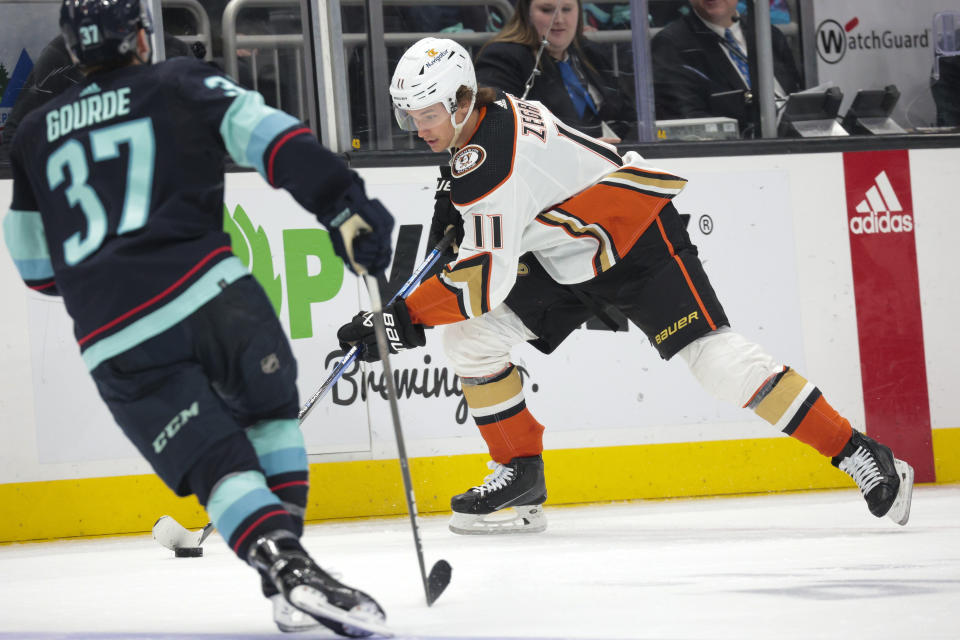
[(727, 365), (211, 403)]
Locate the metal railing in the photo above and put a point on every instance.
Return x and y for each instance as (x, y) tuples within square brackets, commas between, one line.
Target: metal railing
[(254, 47), (504, 6)]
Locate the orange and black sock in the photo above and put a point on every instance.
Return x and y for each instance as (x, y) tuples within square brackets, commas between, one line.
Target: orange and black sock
[(498, 407), (791, 403)]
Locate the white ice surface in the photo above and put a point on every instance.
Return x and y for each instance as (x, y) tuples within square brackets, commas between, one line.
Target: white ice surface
[(806, 565)]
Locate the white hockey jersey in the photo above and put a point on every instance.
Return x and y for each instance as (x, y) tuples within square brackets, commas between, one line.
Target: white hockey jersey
[(526, 182)]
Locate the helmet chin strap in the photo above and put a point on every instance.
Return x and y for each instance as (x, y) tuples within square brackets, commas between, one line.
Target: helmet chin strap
[(457, 128)]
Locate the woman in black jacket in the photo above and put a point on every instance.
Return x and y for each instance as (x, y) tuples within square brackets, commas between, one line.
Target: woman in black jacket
[(575, 79)]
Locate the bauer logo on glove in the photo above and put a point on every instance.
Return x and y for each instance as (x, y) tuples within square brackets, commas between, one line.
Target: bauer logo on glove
[(402, 333)]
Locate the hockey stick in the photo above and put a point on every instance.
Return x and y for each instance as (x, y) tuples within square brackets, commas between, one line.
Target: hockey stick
[(354, 351), (174, 536), (439, 578)]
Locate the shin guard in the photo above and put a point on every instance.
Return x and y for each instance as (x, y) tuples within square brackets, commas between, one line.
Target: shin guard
[(283, 458), (498, 406), (795, 406), (243, 509)]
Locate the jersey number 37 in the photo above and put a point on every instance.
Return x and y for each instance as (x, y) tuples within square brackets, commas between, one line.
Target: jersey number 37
[(105, 145)]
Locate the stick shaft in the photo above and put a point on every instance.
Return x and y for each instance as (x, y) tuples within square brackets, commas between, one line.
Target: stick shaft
[(381, 333), (354, 352)]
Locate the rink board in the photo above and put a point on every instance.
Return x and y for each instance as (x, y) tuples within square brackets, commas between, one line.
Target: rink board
[(621, 424), (131, 504)]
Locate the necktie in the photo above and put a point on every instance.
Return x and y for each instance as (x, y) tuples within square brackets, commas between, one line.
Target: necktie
[(739, 57), (578, 93)]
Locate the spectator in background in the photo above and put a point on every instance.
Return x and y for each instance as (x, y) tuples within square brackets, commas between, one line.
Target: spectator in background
[(945, 86), (946, 92), (700, 65), (573, 76)]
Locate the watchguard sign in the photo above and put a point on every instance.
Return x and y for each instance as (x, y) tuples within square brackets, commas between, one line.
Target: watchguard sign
[(863, 44), (886, 287)]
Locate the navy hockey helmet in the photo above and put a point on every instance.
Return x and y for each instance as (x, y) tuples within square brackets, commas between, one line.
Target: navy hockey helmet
[(102, 32)]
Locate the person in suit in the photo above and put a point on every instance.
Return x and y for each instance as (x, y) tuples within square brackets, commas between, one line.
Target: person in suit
[(700, 65), (946, 91), (571, 76)]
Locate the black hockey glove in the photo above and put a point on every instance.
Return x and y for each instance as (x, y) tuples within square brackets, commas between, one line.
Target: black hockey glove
[(360, 230), (445, 215), (402, 334)]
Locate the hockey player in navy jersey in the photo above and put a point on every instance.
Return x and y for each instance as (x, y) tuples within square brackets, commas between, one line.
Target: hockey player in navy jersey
[(557, 225), (117, 207)]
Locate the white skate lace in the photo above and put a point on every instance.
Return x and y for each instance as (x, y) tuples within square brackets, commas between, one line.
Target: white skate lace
[(500, 478), (862, 467)]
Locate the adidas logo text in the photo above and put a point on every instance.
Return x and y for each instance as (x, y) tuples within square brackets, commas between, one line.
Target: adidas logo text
[(880, 211)]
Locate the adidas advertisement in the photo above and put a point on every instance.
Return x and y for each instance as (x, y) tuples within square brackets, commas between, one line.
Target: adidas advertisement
[(880, 210), (886, 285), (859, 47)]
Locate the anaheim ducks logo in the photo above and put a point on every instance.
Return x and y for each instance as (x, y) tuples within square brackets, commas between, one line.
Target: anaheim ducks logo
[(467, 159)]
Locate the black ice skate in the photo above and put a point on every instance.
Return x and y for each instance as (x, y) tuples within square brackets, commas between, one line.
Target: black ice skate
[(885, 482), (518, 484), (307, 587)]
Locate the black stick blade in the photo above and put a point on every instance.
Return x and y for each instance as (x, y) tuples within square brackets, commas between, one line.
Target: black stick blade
[(438, 580)]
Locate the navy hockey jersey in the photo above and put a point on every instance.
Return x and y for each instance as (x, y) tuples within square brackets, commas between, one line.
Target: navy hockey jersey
[(118, 194)]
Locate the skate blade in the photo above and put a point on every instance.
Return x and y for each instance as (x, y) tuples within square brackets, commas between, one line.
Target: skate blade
[(525, 519), (900, 510), (359, 625), (288, 618)]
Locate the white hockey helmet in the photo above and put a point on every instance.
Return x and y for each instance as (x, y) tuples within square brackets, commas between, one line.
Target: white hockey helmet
[(430, 72)]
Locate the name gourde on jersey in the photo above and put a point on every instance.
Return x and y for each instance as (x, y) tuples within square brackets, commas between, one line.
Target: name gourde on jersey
[(880, 210)]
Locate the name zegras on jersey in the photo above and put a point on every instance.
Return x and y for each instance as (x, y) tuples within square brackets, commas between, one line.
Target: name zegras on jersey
[(83, 233)]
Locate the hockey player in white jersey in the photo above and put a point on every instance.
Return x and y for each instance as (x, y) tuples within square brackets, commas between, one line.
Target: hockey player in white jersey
[(556, 226)]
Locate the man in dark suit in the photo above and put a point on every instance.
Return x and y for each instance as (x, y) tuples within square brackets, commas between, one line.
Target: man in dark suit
[(700, 65), (508, 65)]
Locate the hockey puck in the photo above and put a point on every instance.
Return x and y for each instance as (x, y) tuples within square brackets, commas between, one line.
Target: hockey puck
[(188, 552)]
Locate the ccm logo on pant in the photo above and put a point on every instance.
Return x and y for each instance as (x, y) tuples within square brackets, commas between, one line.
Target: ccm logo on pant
[(173, 427)]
